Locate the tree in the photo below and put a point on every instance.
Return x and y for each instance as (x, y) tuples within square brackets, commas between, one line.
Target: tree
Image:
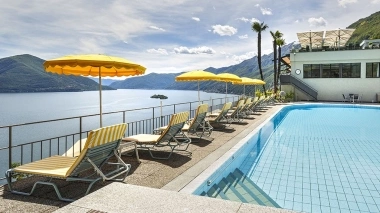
[(280, 43), (275, 35), (258, 28)]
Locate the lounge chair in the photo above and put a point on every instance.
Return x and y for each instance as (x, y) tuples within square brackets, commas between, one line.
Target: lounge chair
[(101, 144), (198, 125), (220, 117), (235, 114), (172, 137)]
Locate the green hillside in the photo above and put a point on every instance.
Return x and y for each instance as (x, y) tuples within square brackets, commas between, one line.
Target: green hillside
[(366, 28), (25, 73)]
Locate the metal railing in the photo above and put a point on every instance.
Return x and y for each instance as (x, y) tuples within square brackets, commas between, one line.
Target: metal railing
[(28, 142), (288, 79)]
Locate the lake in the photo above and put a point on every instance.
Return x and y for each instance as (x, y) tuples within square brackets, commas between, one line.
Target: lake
[(19, 108)]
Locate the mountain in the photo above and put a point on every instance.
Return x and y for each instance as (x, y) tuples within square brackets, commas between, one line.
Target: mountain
[(25, 73), (105, 81), (150, 81), (247, 68), (365, 28)]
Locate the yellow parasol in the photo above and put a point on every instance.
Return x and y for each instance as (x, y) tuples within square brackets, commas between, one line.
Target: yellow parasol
[(249, 81), (197, 75), (94, 65), (228, 77)]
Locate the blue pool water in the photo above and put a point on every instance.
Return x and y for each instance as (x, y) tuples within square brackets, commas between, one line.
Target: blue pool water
[(314, 158)]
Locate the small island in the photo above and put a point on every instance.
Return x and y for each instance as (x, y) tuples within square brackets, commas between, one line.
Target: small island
[(159, 96)]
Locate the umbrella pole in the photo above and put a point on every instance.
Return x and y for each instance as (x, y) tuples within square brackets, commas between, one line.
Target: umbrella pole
[(226, 92), (100, 97), (199, 97)]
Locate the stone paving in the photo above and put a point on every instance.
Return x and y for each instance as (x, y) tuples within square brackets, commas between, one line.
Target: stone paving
[(149, 173)]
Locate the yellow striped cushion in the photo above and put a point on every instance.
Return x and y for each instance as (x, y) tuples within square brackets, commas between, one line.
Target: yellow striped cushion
[(54, 166), (202, 108), (178, 118), (106, 134)]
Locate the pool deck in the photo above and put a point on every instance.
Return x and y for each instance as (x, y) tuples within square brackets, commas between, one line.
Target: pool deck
[(152, 185)]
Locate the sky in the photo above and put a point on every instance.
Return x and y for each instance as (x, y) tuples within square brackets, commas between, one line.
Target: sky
[(166, 36)]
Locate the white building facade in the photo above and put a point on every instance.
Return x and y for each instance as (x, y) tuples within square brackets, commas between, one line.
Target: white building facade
[(333, 73)]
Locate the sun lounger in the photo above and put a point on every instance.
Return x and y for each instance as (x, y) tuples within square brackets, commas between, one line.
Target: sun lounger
[(101, 144), (220, 117), (198, 125), (172, 137)]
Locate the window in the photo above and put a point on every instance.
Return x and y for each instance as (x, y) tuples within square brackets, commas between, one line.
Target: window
[(311, 70), (372, 70), (343, 70), (351, 70), (330, 70)]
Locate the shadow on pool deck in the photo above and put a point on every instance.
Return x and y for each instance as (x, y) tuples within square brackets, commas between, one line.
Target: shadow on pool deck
[(150, 172)]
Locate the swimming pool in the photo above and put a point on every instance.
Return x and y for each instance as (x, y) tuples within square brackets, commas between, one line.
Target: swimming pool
[(311, 158)]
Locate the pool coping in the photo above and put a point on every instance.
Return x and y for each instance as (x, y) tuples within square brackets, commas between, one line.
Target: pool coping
[(191, 179)]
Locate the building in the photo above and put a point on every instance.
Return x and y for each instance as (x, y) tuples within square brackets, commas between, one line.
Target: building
[(325, 73)]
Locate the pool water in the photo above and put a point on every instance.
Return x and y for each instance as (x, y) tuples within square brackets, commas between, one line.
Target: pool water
[(320, 158)]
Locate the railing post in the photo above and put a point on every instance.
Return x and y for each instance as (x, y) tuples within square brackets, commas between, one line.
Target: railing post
[(123, 116), (190, 109), (80, 135), (174, 109), (153, 120), (10, 148)]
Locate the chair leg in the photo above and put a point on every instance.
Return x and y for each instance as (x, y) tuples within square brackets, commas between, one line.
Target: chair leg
[(8, 175)]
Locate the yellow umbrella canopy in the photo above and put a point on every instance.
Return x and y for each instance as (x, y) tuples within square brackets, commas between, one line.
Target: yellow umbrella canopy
[(197, 75), (249, 81), (94, 65), (228, 77)]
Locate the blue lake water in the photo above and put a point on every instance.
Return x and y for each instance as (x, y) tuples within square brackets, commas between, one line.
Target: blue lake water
[(18, 108)]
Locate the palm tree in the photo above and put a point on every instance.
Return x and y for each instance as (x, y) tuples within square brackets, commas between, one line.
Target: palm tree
[(258, 28), (275, 35), (280, 43)]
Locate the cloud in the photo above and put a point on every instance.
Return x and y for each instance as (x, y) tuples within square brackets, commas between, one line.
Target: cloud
[(240, 58), (317, 22), (195, 18), (158, 51), (224, 30), (243, 36), (196, 50), (375, 1), (266, 11), (344, 2), (248, 20), (257, 5), (156, 28)]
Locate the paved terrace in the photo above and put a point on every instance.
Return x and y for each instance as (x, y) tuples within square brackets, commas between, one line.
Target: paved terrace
[(135, 196)]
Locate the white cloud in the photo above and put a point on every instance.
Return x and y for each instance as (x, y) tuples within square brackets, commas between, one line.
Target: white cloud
[(240, 58), (257, 5), (375, 1), (248, 20), (195, 18), (297, 21), (158, 51), (156, 28), (196, 50), (344, 2), (224, 30), (317, 22), (266, 11), (243, 36)]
